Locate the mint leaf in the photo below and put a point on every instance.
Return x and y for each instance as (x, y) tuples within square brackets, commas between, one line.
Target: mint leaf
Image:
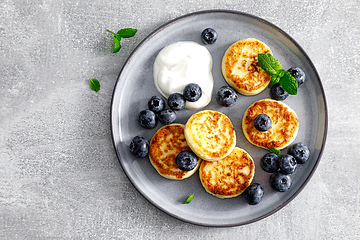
[(126, 32), (289, 83), (122, 33), (274, 150), (276, 78), (189, 199), (117, 45), (269, 64), (117, 37), (94, 84)]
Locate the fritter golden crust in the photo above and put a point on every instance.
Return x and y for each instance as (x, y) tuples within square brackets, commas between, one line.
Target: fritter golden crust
[(284, 127), (240, 66), (228, 177), (165, 145), (210, 135)]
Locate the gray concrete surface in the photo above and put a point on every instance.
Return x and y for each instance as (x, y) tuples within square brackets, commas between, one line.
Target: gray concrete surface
[(59, 175)]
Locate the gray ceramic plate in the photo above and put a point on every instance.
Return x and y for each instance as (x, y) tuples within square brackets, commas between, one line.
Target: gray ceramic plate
[(135, 86)]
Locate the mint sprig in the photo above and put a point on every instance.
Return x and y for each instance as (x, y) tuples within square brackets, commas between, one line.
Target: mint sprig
[(274, 68), (189, 199), (122, 33)]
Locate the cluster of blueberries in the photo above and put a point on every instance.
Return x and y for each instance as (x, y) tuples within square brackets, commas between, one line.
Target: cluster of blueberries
[(176, 102), (284, 165), (281, 168), (157, 111)]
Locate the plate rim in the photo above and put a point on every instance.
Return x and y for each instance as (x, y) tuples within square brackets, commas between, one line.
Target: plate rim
[(235, 12)]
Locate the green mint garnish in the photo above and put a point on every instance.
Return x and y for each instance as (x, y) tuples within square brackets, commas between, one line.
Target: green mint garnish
[(274, 150), (189, 199), (278, 75), (289, 83), (126, 33), (94, 84), (269, 63), (276, 78), (117, 45), (122, 33)]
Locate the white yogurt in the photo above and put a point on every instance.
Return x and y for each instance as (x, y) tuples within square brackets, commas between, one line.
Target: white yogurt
[(181, 63)]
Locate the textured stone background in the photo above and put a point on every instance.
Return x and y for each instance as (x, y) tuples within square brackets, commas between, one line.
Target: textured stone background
[(59, 174)]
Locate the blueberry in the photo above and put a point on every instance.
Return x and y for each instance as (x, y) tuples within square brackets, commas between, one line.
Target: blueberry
[(176, 101), (208, 36), (192, 92), (262, 122), (147, 119), (167, 116), (186, 160), (287, 164), (277, 92), (298, 74), (280, 182), (226, 96), (254, 193), (269, 162), (139, 146), (300, 152), (156, 104)]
